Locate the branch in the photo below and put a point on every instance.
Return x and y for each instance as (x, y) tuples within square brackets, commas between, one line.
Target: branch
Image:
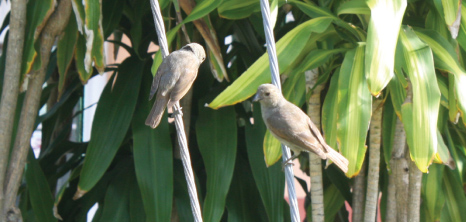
[(54, 27), (13, 55)]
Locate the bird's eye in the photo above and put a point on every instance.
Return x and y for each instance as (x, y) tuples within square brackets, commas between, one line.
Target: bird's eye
[(267, 94)]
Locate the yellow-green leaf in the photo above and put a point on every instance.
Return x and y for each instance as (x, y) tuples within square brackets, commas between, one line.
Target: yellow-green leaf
[(272, 149), (420, 112), (382, 36), (238, 9), (354, 7), (354, 109), (445, 59), (288, 48), (452, 12), (94, 36), (432, 193), (38, 12)]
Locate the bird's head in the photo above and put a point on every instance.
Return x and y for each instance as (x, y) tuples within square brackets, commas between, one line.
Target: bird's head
[(197, 49), (268, 95)]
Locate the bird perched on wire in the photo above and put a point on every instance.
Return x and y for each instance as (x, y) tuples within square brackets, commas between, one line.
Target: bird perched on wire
[(292, 127), (173, 79)]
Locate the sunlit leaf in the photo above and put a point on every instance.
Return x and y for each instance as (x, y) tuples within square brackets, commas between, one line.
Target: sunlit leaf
[(420, 111), (432, 191), (288, 47), (445, 59), (382, 36), (354, 7), (94, 36), (354, 109)]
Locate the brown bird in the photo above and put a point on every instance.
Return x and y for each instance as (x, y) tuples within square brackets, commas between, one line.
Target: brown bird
[(173, 79), (292, 127)]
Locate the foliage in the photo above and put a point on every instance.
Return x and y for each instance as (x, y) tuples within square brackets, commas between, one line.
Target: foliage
[(133, 172)]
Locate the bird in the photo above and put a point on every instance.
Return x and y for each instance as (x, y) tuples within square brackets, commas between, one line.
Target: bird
[(293, 128), (173, 79)]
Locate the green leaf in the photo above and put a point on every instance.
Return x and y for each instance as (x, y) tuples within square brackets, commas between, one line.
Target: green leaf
[(116, 203), (38, 12), (419, 113), (431, 191), (452, 12), (382, 36), (94, 36), (388, 130), (272, 149), (112, 11), (153, 158), (354, 7), (80, 53), (445, 59), (288, 48), (315, 11), (329, 112), (455, 200), (65, 50), (270, 181), (217, 137), (244, 195), (294, 86), (39, 190), (238, 9), (202, 9), (354, 109), (112, 119), (136, 207)]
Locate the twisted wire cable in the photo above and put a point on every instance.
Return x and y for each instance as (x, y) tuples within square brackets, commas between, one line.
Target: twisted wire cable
[(185, 157), (275, 73)]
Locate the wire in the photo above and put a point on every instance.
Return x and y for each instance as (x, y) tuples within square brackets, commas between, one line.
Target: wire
[(185, 158), (275, 73)]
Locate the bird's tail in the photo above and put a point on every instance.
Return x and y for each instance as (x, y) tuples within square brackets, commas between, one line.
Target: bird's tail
[(338, 159), (157, 110)]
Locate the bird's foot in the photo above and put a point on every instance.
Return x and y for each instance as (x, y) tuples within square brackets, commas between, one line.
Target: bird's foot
[(286, 163), (177, 112)]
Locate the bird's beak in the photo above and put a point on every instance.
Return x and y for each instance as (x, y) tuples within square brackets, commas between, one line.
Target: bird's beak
[(256, 97)]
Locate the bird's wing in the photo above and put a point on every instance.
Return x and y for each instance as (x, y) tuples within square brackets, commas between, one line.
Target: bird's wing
[(292, 127), (188, 74), (163, 69), (315, 131)]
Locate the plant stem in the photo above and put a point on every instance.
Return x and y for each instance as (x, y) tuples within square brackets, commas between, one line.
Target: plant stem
[(54, 27), (10, 91), (414, 200), (315, 163), (372, 194), (359, 187)]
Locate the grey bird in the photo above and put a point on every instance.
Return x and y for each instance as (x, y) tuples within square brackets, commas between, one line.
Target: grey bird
[(292, 127), (173, 79)]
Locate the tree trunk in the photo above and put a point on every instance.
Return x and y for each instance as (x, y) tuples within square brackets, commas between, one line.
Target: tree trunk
[(359, 187), (400, 172), (372, 195), (390, 215), (54, 27), (315, 163), (414, 200), (14, 55)]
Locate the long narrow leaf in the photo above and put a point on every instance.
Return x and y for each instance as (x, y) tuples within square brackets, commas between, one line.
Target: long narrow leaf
[(217, 135), (419, 115), (382, 36), (111, 122), (445, 59), (153, 158), (270, 181), (288, 48), (354, 109)]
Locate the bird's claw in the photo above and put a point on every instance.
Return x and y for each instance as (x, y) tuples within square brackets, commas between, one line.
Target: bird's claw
[(285, 163), (177, 111)]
